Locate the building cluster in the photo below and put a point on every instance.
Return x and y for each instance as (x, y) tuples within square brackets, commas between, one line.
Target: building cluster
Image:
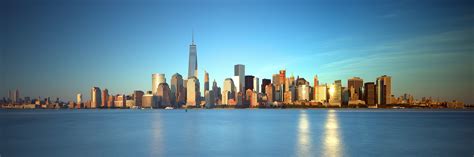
[(241, 91)]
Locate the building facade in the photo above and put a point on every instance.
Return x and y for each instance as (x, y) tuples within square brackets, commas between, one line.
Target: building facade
[(157, 79)]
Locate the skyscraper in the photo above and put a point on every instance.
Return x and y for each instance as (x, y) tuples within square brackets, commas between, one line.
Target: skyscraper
[(354, 86), (14, 96), (322, 93), (275, 79), (192, 96), (193, 64), (335, 92), (369, 93), (239, 70), (384, 90), (256, 85), (163, 94), (249, 82), (217, 92), (303, 92), (79, 98), (17, 96), (138, 97), (157, 79), (177, 90), (105, 98), (265, 82), (269, 91), (228, 91), (206, 81), (282, 77), (315, 85), (95, 97)]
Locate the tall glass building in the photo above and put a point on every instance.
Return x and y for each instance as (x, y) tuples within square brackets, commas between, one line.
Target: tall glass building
[(192, 69)]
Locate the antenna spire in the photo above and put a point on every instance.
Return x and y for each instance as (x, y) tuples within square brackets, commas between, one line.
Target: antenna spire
[(193, 37)]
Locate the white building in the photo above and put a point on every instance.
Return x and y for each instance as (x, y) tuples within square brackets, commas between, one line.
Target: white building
[(228, 91), (156, 79), (239, 71)]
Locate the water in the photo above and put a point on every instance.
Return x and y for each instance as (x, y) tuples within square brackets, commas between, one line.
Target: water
[(321, 132)]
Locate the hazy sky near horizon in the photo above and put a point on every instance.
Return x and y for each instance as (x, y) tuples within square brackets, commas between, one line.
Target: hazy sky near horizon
[(59, 48)]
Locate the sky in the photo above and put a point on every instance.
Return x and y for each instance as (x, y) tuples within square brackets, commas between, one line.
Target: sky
[(59, 48)]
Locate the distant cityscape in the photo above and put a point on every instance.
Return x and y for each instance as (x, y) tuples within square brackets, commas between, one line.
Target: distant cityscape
[(240, 91)]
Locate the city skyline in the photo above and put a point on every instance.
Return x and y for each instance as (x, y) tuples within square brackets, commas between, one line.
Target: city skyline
[(414, 60)]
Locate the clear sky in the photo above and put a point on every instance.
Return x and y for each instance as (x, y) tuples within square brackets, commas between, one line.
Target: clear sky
[(59, 48)]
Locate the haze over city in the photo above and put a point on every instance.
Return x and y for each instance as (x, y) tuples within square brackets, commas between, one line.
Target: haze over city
[(61, 48)]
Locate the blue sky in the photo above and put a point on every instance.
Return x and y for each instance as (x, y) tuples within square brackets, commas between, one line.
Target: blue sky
[(59, 48)]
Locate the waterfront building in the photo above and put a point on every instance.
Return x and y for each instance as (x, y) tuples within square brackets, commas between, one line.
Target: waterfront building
[(335, 92), (177, 92), (384, 90), (163, 95), (105, 98), (228, 91), (157, 79), (110, 101), (251, 97), (356, 83), (303, 92), (192, 92), (138, 97), (120, 101), (129, 103), (210, 99), (149, 100), (369, 93), (96, 99)]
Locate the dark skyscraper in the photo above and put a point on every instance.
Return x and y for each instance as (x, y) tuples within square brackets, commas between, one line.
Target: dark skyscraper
[(369, 93), (249, 82), (265, 82), (192, 69)]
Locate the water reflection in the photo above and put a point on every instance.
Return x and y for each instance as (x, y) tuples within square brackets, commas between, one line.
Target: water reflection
[(304, 135), (332, 146), (156, 135)]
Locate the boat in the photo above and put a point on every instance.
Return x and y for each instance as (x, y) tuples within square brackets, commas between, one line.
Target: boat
[(169, 108)]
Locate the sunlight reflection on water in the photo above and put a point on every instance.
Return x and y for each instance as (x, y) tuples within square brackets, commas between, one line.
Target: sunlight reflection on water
[(304, 135), (157, 138), (331, 137)]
